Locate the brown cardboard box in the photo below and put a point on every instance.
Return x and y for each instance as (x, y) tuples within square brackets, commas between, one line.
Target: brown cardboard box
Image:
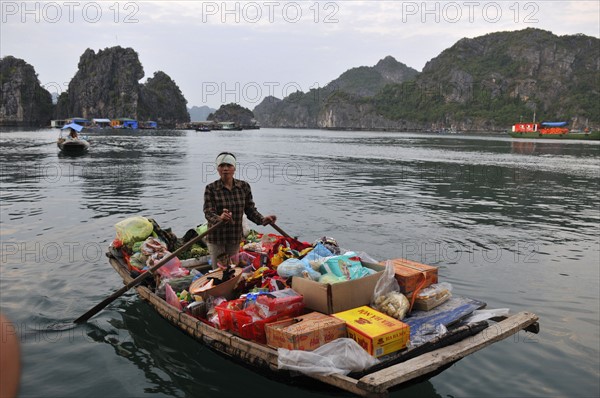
[(224, 289), (306, 332), (329, 298), (411, 274), (375, 332)]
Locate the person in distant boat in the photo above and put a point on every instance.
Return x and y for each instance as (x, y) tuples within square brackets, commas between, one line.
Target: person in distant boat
[(73, 135), (227, 200)]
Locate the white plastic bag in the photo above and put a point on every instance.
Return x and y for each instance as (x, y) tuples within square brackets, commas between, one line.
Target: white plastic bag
[(387, 297), (482, 315), (340, 356)]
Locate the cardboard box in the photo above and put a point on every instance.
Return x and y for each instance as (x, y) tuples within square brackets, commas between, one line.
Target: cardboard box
[(225, 289), (330, 298), (410, 274), (306, 332), (377, 333)]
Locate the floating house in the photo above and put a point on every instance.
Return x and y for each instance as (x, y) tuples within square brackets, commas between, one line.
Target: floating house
[(101, 123), (78, 120), (124, 123)]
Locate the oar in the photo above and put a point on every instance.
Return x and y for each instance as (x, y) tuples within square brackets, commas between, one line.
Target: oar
[(143, 276), (281, 231)]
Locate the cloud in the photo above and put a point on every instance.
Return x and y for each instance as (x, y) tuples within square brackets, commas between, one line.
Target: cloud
[(247, 42)]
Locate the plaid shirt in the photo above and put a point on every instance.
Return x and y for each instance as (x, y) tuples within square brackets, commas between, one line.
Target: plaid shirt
[(238, 201)]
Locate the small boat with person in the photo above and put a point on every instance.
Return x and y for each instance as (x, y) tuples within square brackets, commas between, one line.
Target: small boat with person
[(69, 141), (242, 338)]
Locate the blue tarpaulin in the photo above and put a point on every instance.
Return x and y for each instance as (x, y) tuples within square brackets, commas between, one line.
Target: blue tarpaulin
[(73, 126), (554, 124)]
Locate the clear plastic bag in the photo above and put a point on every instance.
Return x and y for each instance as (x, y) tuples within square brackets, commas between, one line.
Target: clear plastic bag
[(427, 332), (295, 267), (387, 297), (482, 315), (340, 356)]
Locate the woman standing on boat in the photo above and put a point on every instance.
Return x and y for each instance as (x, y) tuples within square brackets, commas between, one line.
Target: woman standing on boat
[(227, 200)]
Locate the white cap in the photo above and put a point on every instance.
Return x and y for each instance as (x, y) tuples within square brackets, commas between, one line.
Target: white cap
[(225, 158)]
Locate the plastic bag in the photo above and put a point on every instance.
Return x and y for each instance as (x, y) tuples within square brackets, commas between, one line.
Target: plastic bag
[(482, 315), (152, 245), (294, 267), (133, 229), (340, 356), (387, 297), (425, 333), (172, 269), (171, 297)]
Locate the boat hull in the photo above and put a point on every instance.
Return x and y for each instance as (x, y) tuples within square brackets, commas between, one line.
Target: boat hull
[(73, 147), (594, 135)]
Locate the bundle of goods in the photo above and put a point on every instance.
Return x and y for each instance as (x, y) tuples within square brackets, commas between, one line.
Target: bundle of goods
[(247, 316)]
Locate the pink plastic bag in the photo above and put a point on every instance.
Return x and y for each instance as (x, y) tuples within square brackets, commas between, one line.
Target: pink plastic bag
[(171, 297), (172, 269)]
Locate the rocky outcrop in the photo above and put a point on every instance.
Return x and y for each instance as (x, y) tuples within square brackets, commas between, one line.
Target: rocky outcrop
[(242, 117), (161, 100), (532, 67), (484, 83), (307, 110), (366, 81), (24, 101), (107, 85), (200, 113)]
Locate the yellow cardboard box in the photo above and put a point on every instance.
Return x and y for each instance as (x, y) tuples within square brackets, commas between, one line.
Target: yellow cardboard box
[(377, 333), (305, 332)]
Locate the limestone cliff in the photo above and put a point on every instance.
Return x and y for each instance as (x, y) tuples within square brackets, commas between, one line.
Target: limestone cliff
[(161, 100), (485, 83), (307, 110), (241, 116), (24, 101), (107, 85)]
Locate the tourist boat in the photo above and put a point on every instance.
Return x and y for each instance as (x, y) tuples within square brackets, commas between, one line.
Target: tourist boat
[(72, 146), (229, 126), (394, 370), (551, 130)]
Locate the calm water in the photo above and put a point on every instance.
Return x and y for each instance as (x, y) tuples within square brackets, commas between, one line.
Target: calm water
[(513, 223)]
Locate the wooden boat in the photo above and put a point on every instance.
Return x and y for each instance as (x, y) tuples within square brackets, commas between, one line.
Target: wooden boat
[(74, 147), (72, 144), (591, 135), (396, 369), (551, 130)]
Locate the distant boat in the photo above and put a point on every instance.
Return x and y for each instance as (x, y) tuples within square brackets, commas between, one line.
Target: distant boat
[(72, 144), (551, 130), (203, 128), (230, 126)]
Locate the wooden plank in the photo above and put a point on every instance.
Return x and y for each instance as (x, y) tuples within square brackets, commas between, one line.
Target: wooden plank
[(348, 384), (384, 379)]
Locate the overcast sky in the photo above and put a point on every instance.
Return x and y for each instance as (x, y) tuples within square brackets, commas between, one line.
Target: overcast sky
[(240, 51)]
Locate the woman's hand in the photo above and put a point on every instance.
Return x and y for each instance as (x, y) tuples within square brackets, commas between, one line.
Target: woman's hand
[(226, 216), (269, 220)]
